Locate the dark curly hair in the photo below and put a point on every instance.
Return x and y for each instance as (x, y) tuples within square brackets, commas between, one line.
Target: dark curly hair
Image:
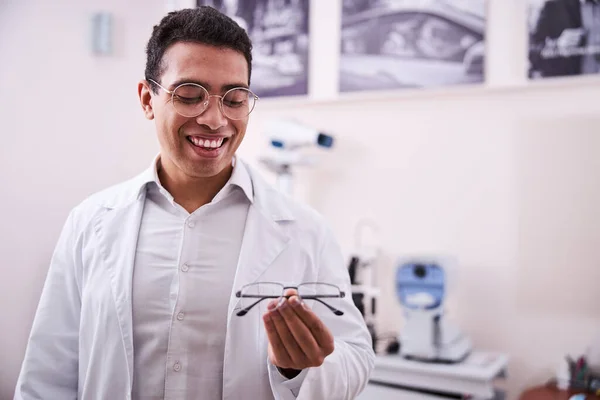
[(199, 25)]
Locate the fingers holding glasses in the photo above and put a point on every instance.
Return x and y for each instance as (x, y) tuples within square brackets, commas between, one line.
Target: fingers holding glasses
[(295, 316), (308, 324), (318, 331), (298, 338), (285, 351)]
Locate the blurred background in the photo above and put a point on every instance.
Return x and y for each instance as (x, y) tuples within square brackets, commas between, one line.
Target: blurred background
[(499, 171)]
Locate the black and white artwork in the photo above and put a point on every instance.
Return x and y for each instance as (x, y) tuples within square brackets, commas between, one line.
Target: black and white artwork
[(564, 38), (279, 33), (392, 44)]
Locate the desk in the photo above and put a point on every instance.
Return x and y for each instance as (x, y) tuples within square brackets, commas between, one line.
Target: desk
[(551, 392), (395, 377), (378, 392)]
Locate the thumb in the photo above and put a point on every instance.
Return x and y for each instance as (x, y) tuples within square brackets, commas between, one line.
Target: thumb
[(272, 305)]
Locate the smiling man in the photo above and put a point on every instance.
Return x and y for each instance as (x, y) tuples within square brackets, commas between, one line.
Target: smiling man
[(155, 289)]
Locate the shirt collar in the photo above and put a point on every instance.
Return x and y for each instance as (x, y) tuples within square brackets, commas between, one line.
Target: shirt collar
[(239, 178)]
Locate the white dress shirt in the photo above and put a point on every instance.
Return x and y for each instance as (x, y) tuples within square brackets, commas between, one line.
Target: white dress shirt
[(183, 275)]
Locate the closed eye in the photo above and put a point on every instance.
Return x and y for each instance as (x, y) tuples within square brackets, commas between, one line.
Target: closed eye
[(233, 104), (189, 100)]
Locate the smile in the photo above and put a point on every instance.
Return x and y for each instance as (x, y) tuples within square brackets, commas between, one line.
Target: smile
[(207, 144)]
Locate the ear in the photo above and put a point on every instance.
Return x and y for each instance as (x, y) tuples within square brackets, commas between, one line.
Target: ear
[(145, 95)]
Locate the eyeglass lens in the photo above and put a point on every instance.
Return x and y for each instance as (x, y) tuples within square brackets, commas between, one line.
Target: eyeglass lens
[(253, 293), (191, 100), (320, 295)]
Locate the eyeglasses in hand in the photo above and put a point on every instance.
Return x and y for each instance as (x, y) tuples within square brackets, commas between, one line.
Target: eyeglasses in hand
[(308, 292)]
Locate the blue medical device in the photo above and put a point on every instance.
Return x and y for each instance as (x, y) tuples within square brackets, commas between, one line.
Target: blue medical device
[(413, 280), (427, 335)]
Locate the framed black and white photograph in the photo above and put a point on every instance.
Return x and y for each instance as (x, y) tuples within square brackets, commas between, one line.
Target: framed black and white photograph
[(564, 38), (279, 33), (394, 44)]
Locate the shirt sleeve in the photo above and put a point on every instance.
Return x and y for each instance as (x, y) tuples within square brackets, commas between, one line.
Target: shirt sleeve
[(284, 388)]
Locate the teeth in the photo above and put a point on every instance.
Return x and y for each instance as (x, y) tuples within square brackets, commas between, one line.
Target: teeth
[(210, 144)]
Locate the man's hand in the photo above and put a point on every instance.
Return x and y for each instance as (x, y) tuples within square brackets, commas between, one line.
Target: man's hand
[(298, 339)]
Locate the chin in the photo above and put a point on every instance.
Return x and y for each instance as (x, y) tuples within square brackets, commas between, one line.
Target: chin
[(207, 169)]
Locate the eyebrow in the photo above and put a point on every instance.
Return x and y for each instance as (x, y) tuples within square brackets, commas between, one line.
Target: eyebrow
[(206, 85)]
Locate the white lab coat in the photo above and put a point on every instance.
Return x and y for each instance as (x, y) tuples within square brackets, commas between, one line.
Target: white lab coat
[(81, 344)]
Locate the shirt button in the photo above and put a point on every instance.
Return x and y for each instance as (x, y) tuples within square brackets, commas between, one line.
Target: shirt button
[(177, 367), (191, 224), (180, 316), (185, 268)]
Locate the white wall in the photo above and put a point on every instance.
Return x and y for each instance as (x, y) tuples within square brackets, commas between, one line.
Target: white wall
[(70, 125), (504, 177)]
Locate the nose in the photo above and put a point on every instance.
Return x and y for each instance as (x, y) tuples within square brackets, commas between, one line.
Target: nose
[(212, 116)]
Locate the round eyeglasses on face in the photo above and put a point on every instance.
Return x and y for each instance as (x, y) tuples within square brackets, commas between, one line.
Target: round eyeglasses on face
[(190, 100)]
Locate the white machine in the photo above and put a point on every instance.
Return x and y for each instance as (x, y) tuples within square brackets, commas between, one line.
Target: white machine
[(436, 361), (427, 334), (286, 138)]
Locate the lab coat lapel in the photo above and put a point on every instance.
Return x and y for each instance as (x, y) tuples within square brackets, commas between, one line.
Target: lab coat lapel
[(117, 232), (264, 240), (264, 237)]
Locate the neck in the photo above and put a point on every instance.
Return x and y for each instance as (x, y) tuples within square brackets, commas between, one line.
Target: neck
[(191, 192)]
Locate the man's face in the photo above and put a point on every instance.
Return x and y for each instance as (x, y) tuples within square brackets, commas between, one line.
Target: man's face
[(179, 137)]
